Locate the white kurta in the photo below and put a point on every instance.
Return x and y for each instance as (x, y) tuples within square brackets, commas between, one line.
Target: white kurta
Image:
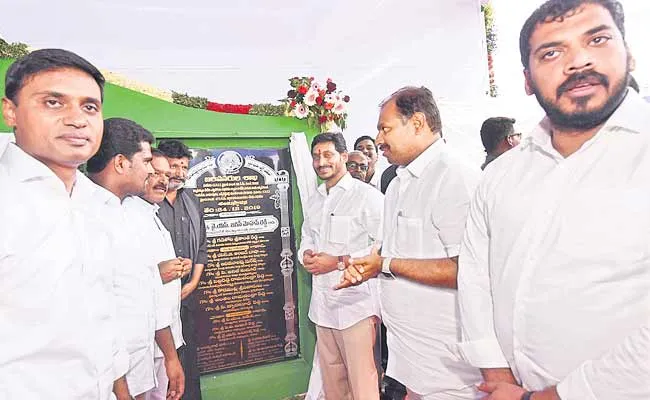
[(57, 258), (425, 212), (158, 242), (344, 222), (138, 289), (554, 274)]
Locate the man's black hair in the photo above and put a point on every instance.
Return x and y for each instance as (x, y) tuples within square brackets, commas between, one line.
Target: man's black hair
[(411, 99), (173, 148), (334, 137), (46, 60), (121, 136), (362, 138), (157, 153), (495, 130), (557, 10)]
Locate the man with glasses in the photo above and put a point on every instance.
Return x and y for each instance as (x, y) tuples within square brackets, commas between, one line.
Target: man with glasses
[(357, 165), (498, 136)]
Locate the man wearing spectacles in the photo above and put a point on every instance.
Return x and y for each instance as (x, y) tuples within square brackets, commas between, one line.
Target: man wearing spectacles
[(498, 136), (357, 165)]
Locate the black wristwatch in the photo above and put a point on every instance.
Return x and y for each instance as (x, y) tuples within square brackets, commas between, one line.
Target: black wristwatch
[(527, 396)]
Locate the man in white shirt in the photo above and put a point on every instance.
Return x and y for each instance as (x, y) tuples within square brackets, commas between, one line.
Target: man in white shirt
[(368, 147), (424, 217), (121, 167), (57, 325), (171, 268), (357, 165), (343, 219), (554, 276)]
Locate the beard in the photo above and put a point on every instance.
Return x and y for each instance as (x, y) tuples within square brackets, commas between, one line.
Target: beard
[(583, 119)]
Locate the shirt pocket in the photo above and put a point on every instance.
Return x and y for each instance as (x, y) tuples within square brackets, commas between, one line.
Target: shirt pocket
[(340, 229), (409, 236)]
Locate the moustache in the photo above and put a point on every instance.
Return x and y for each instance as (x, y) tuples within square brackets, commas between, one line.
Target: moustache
[(592, 78), (160, 187)]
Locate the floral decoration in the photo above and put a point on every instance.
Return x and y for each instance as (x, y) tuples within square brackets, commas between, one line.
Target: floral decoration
[(319, 104)]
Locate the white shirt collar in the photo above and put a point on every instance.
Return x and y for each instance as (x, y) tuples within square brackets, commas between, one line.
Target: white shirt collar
[(23, 167), (628, 117), (141, 204), (344, 183), (417, 166)]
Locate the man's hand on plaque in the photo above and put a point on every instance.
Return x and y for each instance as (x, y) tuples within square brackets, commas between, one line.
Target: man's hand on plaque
[(319, 263), (176, 379), (361, 269), (187, 266), (170, 269)]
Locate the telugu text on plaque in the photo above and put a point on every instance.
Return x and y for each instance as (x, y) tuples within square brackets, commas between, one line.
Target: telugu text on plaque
[(247, 295)]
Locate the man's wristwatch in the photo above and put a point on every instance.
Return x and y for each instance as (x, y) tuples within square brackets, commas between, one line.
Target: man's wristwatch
[(341, 264), (385, 267)]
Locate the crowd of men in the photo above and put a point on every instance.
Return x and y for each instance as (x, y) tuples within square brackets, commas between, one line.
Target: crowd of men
[(95, 299), (528, 281)]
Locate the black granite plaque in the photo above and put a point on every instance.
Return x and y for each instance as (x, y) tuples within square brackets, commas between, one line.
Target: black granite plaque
[(247, 295)]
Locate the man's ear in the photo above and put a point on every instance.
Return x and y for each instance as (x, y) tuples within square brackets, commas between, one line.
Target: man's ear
[(419, 122), (631, 61), (528, 85), (120, 163), (344, 157), (9, 112)]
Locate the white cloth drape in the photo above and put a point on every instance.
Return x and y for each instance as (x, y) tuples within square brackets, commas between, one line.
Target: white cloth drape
[(307, 184)]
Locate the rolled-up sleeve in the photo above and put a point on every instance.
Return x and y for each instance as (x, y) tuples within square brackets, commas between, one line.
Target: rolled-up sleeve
[(479, 346), (453, 200), (621, 373), (164, 307), (372, 222)]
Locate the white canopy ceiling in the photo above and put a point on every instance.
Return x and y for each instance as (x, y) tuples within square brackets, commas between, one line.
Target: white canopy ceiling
[(244, 51)]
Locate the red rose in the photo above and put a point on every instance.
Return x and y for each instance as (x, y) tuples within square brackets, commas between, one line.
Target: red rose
[(331, 86), (302, 89), (329, 106), (346, 98), (319, 100), (322, 119), (292, 104)]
